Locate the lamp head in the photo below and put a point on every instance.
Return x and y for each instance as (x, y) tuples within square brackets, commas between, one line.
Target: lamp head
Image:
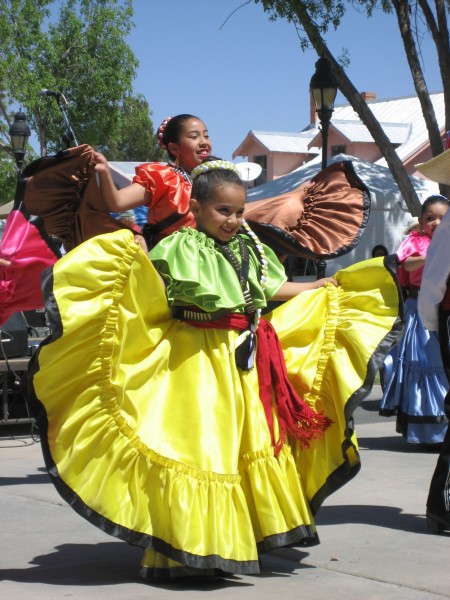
[(19, 133), (323, 86)]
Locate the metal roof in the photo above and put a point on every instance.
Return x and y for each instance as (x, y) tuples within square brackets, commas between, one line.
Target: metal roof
[(401, 119), (276, 141), (356, 131), (405, 111)]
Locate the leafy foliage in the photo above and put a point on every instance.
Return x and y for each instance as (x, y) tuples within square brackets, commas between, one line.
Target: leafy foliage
[(136, 140), (77, 48)]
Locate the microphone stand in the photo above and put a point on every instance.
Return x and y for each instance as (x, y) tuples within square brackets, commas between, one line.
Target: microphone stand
[(69, 137)]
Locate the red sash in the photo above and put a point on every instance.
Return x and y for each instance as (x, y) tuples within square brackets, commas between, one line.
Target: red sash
[(295, 416)]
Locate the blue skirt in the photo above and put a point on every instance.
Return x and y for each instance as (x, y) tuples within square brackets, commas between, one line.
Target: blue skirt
[(414, 382)]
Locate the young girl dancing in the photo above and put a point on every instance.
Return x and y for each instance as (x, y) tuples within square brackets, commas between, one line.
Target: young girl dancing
[(415, 384), (174, 416)]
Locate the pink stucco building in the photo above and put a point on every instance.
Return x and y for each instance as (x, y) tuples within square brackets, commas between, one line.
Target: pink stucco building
[(280, 153)]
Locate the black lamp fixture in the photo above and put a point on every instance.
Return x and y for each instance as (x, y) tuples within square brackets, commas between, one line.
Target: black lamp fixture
[(19, 133), (323, 86)]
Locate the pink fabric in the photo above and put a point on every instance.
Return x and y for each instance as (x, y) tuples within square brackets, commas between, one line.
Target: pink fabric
[(25, 246), (416, 244)]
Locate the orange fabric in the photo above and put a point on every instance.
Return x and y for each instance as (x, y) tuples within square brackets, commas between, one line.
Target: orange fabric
[(169, 193)]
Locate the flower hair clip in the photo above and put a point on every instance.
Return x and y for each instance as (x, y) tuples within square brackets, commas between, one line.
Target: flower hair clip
[(161, 130), (211, 165)]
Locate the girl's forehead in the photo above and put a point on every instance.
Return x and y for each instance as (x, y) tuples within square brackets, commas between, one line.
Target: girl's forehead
[(436, 208), (193, 125)]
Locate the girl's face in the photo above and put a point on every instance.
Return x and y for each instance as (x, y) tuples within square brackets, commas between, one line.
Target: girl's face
[(432, 217), (221, 216), (193, 144)]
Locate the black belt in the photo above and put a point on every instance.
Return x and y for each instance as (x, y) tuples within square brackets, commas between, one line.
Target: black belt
[(189, 313)]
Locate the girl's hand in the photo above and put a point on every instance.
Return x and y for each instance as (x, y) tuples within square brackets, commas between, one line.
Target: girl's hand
[(101, 164), (291, 288), (4, 262), (323, 282), (139, 239)]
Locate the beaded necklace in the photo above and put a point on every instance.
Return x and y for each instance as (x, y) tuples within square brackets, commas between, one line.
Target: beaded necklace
[(246, 343), (260, 252), (181, 172)]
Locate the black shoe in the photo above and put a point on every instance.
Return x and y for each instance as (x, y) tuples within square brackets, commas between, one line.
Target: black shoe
[(438, 521)]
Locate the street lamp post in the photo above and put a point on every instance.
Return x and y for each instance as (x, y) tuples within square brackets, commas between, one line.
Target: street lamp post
[(323, 87), (19, 133)]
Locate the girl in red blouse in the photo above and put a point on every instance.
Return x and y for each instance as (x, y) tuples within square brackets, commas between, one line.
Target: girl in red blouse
[(164, 188)]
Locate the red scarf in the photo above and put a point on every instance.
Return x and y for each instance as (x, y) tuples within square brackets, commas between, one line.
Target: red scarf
[(295, 416)]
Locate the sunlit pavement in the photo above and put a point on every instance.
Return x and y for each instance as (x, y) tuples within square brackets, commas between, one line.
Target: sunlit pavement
[(374, 539)]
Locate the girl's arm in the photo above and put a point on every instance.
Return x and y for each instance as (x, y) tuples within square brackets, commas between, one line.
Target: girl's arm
[(4, 262), (291, 288), (118, 200), (412, 263)]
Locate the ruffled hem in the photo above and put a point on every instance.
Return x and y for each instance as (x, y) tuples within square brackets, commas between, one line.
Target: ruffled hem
[(422, 430), (293, 223), (415, 383), (333, 349), (234, 509)]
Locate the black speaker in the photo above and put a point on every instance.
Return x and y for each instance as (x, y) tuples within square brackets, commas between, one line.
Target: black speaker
[(14, 337), (35, 318)]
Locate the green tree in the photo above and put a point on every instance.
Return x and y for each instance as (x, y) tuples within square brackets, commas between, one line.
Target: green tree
[(136, 140), (313, 20), (7, 181), (77, 48)]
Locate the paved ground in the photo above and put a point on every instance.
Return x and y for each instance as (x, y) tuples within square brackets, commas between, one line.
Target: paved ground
[(374, 539)]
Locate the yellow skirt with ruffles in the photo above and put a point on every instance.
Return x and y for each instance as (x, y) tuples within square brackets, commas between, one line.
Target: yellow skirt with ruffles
[(150, 431)]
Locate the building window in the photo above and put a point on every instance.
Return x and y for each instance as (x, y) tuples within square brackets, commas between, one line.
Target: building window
[(338, 149), (261, 160)]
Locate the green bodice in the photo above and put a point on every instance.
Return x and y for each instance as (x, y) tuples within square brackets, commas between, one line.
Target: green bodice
[(197, 273)]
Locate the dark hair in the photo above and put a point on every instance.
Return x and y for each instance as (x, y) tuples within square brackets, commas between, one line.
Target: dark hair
[(434, 199), (171, 131), (379, 250), (204, 185)]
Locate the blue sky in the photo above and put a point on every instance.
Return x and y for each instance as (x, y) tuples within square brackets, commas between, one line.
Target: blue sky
[(251, 73)]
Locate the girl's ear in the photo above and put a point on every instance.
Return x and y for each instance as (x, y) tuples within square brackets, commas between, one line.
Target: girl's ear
[(172, 147), (194, 206)]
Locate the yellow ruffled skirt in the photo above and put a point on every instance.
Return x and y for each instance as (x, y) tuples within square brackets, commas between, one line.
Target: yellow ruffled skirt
[(150, 431)]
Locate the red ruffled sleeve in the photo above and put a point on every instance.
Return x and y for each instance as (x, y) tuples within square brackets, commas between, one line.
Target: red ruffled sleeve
[(169, 193)]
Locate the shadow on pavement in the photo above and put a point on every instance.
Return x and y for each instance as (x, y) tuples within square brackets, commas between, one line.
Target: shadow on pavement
[(29, 479), (81, 564), (390, 517), (395, 443), (39, 478), (283, 561), (113, 563), (370, 405)]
